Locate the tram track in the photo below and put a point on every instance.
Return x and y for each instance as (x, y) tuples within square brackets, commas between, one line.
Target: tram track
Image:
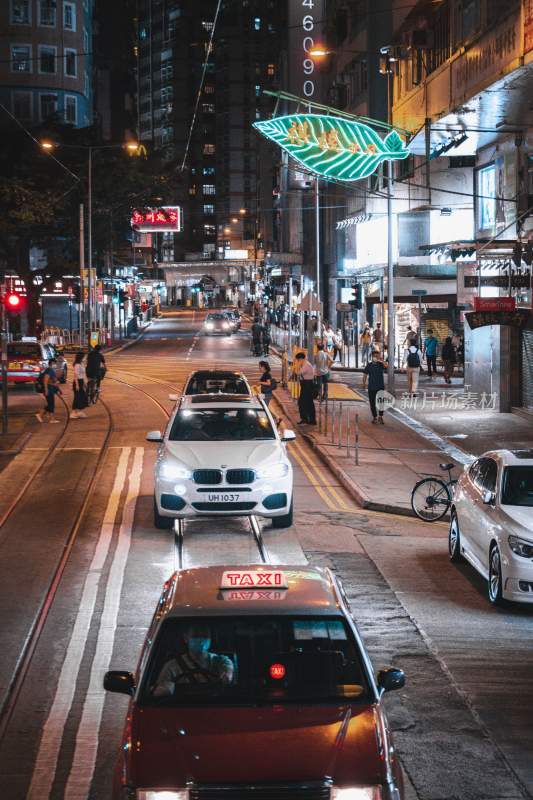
[(34, 633)]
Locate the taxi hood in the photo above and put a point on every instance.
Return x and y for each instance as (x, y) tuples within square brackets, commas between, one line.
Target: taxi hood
[(255, 745), (225, 455)]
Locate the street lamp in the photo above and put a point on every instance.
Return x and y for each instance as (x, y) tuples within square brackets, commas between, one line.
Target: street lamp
[(134, 148)]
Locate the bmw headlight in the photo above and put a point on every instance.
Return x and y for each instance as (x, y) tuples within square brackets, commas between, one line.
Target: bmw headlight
[(170, 471), (225, 324), (162, 794), (521, 547), (209, 326), (273, 471), (357, 793)]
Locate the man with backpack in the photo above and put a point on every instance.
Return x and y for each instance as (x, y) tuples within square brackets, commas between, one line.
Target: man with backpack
[(413, 361), (47, 385)]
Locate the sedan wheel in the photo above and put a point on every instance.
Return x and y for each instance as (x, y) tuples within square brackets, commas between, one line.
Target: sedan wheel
[(454, 539), (495, 577)]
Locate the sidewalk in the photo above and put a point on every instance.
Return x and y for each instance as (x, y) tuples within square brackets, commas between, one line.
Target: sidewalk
[(445, 424)]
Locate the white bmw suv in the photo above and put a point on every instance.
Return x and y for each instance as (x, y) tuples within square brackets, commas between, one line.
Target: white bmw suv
[(222, 455)]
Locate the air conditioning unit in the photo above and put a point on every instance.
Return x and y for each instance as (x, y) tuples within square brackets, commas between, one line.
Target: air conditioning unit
[(419, 39)]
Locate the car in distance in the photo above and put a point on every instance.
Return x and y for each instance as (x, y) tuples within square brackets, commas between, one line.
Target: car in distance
[(253, 683), (222, 455), (218, 322), (491, 523), (212, 381), (235, 317)]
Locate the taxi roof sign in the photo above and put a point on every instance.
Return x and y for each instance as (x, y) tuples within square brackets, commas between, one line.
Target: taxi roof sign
[(248, 578)]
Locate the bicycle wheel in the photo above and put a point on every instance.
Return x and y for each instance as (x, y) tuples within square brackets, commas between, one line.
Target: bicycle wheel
[(430, 499)]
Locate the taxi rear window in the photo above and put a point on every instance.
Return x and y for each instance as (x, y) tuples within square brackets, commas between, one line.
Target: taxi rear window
[(24, 350), (254, 660), (206, 385)]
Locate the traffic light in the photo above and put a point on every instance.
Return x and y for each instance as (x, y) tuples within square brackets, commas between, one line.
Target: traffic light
[(13, 302), (122, 297), (357, 291)]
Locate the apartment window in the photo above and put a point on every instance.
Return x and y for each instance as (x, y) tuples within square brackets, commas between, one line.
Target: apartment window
[(71, 63), (486, 184), (209, 149), (20, 58), (207, 26), (20, 12), (166, 93), (85, 41), (21, 104), (257, 23), (69, 16), (192, 190), (271, 70), (208, 108), (71, 109), (209, 188), (209, 88), (210, 230), (47, 13), (209, 208), (257, 90), (47, 59), (47, 105)]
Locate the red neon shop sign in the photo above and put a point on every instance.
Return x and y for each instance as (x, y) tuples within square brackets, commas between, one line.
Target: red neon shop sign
[(167, 218)]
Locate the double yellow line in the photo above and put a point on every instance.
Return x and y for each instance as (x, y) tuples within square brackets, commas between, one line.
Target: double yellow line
[(315, 474)]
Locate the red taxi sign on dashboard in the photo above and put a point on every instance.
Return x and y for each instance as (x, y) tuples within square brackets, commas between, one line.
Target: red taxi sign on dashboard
[(250, 579), (277, 671)]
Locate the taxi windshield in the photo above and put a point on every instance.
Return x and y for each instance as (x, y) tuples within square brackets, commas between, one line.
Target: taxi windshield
[(254, 660), (221, 425)]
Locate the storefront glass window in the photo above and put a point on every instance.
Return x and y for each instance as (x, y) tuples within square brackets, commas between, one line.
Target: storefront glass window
[(487, 197)]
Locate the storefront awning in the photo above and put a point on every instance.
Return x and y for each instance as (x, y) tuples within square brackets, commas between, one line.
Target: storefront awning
[(405, 291)]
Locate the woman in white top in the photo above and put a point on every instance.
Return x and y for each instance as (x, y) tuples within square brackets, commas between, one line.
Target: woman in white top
[(78, 385)]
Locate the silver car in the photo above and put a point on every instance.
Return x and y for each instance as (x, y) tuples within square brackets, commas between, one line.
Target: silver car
[(491, 523)]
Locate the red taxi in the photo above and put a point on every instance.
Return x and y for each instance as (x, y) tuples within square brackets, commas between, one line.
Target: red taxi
[(254, 683), (26, 359)]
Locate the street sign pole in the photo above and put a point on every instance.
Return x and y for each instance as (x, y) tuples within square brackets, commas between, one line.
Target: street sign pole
[(390, 283)]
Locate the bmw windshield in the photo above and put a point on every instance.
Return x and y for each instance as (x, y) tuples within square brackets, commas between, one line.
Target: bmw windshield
[(254, 660), (221, 425)]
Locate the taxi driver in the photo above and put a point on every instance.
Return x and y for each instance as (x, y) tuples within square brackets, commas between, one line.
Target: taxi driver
[(197, 665)]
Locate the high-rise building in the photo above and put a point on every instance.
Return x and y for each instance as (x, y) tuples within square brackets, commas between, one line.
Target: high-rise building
[(220, 184), (45, 60)]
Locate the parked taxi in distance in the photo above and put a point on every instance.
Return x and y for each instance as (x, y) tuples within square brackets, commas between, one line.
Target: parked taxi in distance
[(253, 683)]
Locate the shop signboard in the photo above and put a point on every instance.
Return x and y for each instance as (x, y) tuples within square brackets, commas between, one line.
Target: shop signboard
[(345, 307), (518, 318), (167, 219), (494, 303), (518, 281), (528, 25), (333, 147)]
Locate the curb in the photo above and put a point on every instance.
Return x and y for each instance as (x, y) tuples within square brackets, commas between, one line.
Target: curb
[(353, 489), (130, 343)]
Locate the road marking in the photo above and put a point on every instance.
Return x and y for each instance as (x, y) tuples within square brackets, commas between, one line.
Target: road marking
[(313, 480), (46, 762), (331, 489), (458, 455), (83, 763)]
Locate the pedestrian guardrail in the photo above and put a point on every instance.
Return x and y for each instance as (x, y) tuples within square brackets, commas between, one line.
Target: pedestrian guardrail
[(338, 421)]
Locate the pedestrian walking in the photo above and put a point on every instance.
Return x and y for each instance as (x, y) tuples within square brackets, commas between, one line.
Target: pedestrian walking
[(267, 382), (413, 361), (48, 387), (267, 340), (329, 338), (337, 345), (430, 351), (78, 386), (373, 378), (449, 358), (323, 362), (365, 341), (306, 405), (410, 338), (377, 338), (257, 334)]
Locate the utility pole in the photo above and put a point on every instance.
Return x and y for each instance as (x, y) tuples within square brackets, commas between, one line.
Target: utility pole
[(3, 334), (90, 241)]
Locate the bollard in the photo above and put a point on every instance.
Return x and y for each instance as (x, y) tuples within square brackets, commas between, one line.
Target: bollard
[(348, 433), (357, 440), (319, 416), (339, 443), (333, 412), (326, 418)]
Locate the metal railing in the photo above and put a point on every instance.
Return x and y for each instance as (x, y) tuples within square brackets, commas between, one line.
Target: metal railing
[(338, 422)]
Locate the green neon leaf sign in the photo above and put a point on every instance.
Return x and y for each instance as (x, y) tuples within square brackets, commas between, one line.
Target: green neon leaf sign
[(332, 146)]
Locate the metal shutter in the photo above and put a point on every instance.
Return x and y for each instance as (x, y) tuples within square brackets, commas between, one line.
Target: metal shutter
[(527, 369)]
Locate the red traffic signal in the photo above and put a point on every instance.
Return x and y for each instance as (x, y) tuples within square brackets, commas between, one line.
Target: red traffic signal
[(13, 301)]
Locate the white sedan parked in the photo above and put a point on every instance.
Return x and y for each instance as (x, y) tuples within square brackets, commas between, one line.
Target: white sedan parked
[(491, 523)]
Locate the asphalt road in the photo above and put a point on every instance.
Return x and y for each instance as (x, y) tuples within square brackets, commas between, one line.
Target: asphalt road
[(463, 722)]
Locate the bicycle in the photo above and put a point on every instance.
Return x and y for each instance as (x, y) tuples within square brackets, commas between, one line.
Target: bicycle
[(432, 496), (93, 388)]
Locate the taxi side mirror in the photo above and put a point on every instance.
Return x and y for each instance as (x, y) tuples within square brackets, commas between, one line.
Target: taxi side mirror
[(288, 436), (119, 681), (154, 436), (389, 679)]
